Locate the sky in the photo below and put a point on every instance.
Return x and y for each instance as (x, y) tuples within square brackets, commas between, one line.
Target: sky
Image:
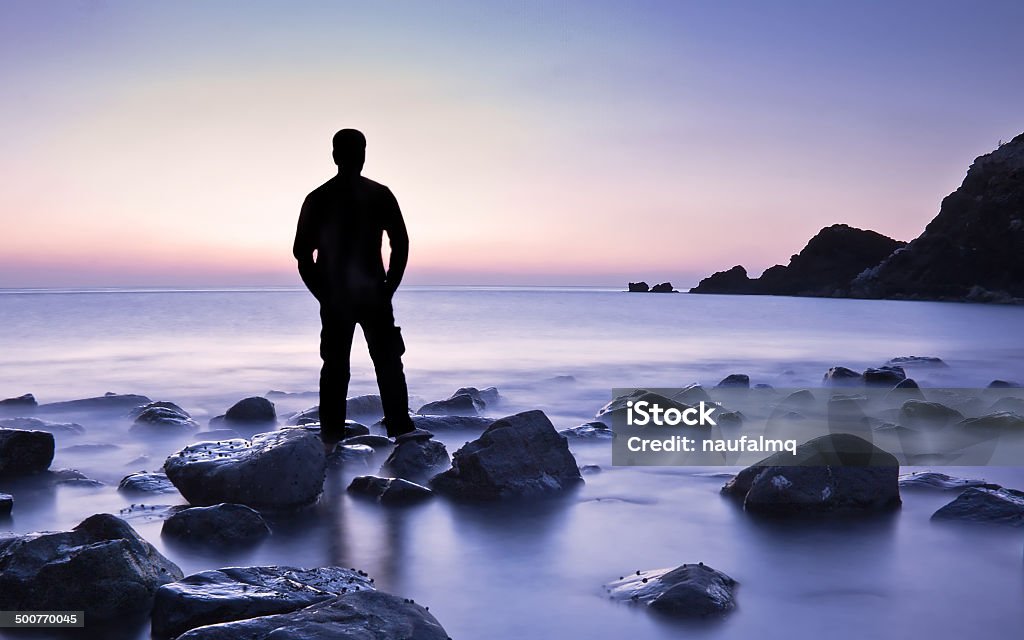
[(560, 143)]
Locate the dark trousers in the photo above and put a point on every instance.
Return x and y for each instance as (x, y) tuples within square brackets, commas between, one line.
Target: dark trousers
[(386, 346)]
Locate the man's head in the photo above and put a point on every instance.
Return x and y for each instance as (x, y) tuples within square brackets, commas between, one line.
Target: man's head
[(349, 151)]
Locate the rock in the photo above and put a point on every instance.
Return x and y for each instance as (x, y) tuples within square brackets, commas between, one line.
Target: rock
[(372, 615), (307, 416), (35, 424), (801, 399), (980, 504), (217, 434), (589, 431), (590, 469), (239, 593), (135, 412), (824, 267), (451, 423), (109, 402), (837, 473), (917, 411), (1008, 404), (692, 395), (349, 454), (639, 287), (102, 567), (416, 460), (918, 361), (887, 376), (518, 456), (27, 401), (158, 419), (389, 490), (25, 452), (6, 504), (1001, 420), (145, 482), (219, 524), (375, 441), (617, 408), (973, 249), (689, 591), (1003, 384), (366, 406), (735, 381), (459, 404), (842, 377), (252, 410), (280, 469), (664, 287), (936, 480), (906, 389)]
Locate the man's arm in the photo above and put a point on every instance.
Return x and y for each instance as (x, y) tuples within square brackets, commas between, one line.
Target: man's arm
[(304, 246), (398, 238)]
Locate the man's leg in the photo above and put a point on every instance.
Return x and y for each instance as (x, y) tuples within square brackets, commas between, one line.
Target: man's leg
[(386, 346), (335, 350)]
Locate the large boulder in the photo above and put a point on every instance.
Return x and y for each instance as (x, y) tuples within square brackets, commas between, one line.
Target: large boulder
[(517, 456), (985, 505), (973, 249), (102, 567), (416, 460), (833, 473), (688, 591), (363, 615), (25, 452), (219, 524), (280, 469), (239, 593), (256, 410)]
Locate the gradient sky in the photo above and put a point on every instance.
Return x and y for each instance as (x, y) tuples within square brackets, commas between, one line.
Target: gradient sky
[(171, 143)]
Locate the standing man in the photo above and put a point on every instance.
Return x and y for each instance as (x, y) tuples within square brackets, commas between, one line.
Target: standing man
[(338, 246)]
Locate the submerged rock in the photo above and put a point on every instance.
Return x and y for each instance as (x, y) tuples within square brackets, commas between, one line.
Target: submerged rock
[(162, 418), (690, 590), (239, 593), (589, 431), (918, 361), (920, 411), (842, 377), (349, 454), (735, 381), (416, 460), (887, 376), (35, 424), (461, 403), (25, 452), (255, 409), (449, 423), (219, 524), (146, 482), (837, 472), (280, 469), (936, 480), (372, 615), (518, 456), (108, 402), (1004, 384), (999, 421), (27, 401), (617, 408), (159, 404), (985, 505), (389, 490), (102, 567), (691, 394)]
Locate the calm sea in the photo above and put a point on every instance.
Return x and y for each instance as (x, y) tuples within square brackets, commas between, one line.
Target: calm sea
[(535, 571)]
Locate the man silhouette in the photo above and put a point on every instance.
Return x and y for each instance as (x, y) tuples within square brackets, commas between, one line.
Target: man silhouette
[(343, 221)]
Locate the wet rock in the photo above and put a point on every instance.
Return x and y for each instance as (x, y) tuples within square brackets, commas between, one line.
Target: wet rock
[(941, 481), (906, 389), (1004, 384), (692, 395), (836, 473), (984, 505), (135, 412), (735, 381), (842, 377), (887, 376), (253, 410), (639, 287), (91, 447), (144, 482), (459, 404), (6, 504), (157, 419), (108, 402), (389, 490), (364, 614), (280, 469), (25, 452), (35, 424), (590, 469), (919, 411), (1009, 404), (689, 591), (517, 456), (239, 593), (416, 460), (220, 524), (102, 566), (918, 361), (350, 454), (589, 431), (664, 287), (27, 401), (1000, 421), (366, 407), (617, 408), (798, 400), (304, 417), (372, 440), (449, 423)]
